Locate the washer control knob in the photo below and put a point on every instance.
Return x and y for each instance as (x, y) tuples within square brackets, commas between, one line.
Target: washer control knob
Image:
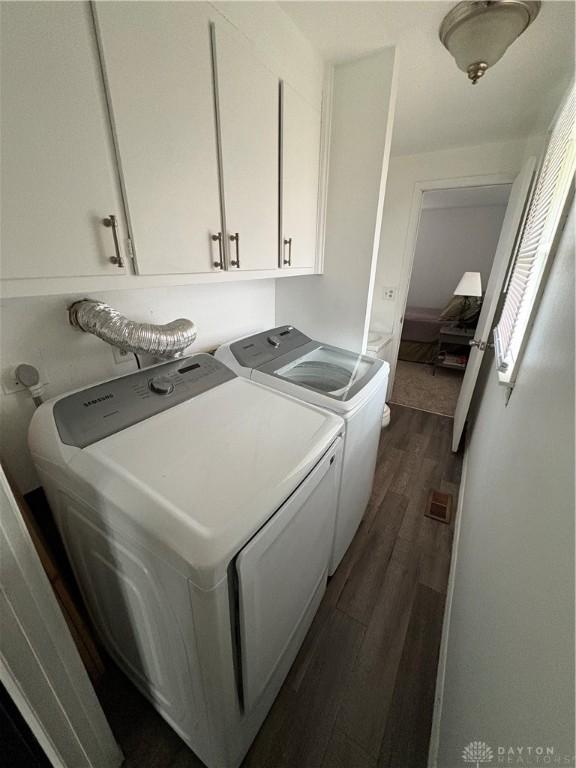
[(274, 340), (161, 385)]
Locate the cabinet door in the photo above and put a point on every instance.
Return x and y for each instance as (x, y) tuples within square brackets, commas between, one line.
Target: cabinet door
[(59, 176), (248, 101), (300, 169), (158, 64)]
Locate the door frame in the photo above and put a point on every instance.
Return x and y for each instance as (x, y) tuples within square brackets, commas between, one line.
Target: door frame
[(420, 187), (39, 663)]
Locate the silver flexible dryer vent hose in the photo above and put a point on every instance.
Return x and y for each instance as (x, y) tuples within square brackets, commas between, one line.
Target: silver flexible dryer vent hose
[(162, 341)]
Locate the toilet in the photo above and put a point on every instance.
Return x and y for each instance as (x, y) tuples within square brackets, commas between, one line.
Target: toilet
[(378, 346)]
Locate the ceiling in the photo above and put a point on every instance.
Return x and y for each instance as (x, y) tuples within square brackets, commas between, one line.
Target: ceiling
[(437, 106), (467, 197)]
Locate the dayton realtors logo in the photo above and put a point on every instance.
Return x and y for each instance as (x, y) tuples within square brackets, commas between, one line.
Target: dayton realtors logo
[(532, 755), (477, 753)]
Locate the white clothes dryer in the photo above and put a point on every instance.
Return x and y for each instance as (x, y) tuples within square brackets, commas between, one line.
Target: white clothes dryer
[(194, 506)]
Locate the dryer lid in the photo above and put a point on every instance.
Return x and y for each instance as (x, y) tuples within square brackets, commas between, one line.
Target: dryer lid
[(202, 477)]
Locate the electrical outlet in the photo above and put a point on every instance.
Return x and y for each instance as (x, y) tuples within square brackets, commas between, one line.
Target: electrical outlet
[(388, 294), (10, 383), (121, 356)]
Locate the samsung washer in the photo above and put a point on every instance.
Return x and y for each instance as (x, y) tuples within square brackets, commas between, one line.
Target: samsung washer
[(194, 506), (349, 384)]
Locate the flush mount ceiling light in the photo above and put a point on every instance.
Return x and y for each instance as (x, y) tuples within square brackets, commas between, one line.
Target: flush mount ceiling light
[(478, 34)]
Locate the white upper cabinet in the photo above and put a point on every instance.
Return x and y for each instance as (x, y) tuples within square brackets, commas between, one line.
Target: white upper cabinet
[(248, 99), (59, 176), (157, 59), (300, 173), (154, 138)]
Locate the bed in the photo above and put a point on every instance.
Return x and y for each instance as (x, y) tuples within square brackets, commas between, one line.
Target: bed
[(420, 334), (421, 328)]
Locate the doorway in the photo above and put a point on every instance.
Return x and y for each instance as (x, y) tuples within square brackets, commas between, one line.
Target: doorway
[(457, 234)]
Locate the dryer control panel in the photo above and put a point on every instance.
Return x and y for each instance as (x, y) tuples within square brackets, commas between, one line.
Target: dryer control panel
[(85, 417), (262, 348)]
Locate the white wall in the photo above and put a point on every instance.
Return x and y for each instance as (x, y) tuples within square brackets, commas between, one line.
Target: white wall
[(333, 307), (410, 174), (510, 646), (36, 331), (452, 241), (405, 172)]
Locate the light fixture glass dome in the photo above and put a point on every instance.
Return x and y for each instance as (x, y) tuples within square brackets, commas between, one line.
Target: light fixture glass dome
[(478, 34)]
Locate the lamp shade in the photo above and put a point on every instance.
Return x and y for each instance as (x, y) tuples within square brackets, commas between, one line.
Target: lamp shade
[(470, 285)]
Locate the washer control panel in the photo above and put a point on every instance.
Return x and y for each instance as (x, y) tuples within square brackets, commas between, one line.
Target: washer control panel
[(262, 348), (85, 417)]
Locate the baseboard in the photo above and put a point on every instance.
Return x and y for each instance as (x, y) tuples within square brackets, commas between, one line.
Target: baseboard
[(441, 673)]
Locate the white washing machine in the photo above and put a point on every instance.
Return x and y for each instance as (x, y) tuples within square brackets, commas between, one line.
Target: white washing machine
[(344, 382), (194, 506)]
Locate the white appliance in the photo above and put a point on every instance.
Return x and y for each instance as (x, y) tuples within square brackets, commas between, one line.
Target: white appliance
[(344, 382), (379, 346), (194, 506)]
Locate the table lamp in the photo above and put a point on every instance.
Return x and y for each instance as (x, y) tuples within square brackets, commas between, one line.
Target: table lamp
[(470, 285)]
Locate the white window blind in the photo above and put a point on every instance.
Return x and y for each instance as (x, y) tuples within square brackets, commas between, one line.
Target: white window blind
[(542, 224)]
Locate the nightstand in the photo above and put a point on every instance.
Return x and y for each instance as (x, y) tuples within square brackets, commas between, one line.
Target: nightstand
[(453, 342)]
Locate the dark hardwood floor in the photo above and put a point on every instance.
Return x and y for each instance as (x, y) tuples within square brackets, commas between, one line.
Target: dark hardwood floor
[(360, 693)]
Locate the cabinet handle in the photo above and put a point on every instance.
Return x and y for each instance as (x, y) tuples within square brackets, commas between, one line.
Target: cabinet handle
[(220, 263), (236, 238), (288, 242), (112, 222)]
